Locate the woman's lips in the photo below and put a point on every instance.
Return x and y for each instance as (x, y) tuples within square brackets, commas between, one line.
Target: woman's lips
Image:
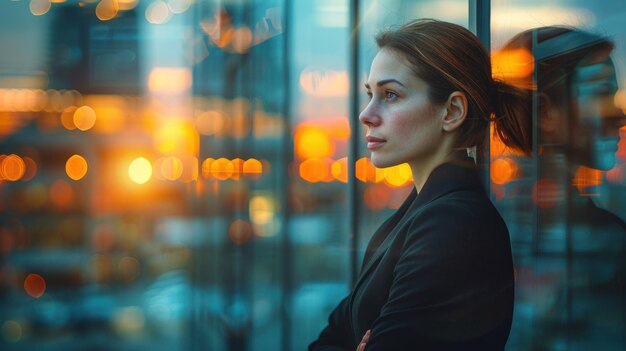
[(374, 142)]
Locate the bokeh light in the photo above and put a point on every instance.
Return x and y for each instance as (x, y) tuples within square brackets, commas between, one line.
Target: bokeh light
[(39, 7), (67, 118), (179, 6), (84, 118), (253, 167), (30, 170), (169, 79), (222, 168), (315, 170), (12, 167), (339, 169), (171, 168), (140, 170), (158, 12), (312, 142), (398, 175), (261, 209), (12, 331), (107, 9), (76, 167), (503, 170), (34, 285), (240, 231)]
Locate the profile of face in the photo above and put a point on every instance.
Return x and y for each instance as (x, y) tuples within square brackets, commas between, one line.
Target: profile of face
[(595, 129), (402, 123)]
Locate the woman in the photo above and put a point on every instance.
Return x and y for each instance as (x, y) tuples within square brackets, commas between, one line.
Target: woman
[(438, 274)]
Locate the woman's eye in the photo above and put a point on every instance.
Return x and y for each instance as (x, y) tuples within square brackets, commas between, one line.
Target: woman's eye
[(390, 96), (369, 95)]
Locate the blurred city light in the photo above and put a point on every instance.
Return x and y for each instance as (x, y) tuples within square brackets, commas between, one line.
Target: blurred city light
[(503, 170), (158, 12), (140, 170), (34, 285), (84, 118), (39, 7), (76, 167)]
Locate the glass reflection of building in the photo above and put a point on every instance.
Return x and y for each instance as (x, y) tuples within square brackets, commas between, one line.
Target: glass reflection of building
[(190, 175)]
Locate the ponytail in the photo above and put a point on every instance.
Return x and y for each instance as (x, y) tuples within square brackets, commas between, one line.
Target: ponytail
[(512, 116)]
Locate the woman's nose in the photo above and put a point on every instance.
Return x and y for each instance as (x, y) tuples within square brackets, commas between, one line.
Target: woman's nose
[(369, 116)]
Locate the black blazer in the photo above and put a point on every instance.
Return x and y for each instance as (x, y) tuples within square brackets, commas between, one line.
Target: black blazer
[(437, 275)]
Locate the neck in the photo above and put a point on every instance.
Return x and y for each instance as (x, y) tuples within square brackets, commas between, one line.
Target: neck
[(421, 169)]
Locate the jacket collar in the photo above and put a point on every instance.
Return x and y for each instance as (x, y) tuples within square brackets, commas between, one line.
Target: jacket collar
[(456, 175)]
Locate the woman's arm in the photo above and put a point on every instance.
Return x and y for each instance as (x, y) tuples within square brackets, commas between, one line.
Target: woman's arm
[(337, 334)]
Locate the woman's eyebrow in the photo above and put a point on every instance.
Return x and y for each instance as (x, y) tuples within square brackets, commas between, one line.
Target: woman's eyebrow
[(385, 81)]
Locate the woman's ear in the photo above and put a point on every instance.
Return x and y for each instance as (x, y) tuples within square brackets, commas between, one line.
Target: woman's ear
[(456, 111)]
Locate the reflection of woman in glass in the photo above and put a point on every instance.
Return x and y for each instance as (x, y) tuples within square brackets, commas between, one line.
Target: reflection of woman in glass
[(438, 274), (578, 129)]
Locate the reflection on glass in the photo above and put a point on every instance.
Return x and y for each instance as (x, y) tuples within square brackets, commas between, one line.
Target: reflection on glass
[(571, 289)]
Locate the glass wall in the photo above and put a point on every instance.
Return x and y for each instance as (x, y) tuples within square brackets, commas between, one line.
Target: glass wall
[(565, 204), (191, 175)]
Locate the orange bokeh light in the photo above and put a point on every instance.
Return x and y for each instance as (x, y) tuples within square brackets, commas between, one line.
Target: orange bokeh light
[(222, 168), (107, 9), (253, 167), (30, 170), (514, 66), (503, 170), (84, 118), (171, 168), (12, 167), (35, 285), (339, 169), (315, 170), (76, 167), (586, 177), (324, 83), (312, 142)]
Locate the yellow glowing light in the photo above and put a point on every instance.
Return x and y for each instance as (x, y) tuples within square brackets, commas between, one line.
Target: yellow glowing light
[(35, 285), (324, 83), (110, 111), (171, 168), (261, 210), (140, 170), (503, 170), (107, 9), (158, 12), (312, 142), (39, 7), (169, 79), (398, 175), (179, 6), (339, 169), (13, 167), (76, 167), (84, 118), (177, 136)]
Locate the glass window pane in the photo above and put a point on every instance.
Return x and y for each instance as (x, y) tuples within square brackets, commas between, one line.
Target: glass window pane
[(565, 205)]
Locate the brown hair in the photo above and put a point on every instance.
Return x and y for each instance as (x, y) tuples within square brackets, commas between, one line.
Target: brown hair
[(450, 58)]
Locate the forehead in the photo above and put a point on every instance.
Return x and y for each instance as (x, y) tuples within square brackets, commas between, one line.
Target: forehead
[(389, 64)]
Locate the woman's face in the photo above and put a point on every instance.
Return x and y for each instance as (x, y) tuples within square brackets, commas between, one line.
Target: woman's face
[(402, 124)]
